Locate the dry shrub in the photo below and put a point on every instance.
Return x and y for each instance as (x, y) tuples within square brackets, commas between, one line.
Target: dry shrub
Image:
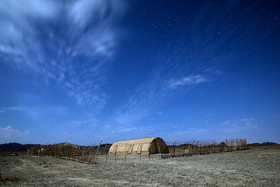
[(194, 147), (85, 154), (4, 179)]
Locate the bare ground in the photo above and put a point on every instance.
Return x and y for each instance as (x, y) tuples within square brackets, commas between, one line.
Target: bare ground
[(239, 168)]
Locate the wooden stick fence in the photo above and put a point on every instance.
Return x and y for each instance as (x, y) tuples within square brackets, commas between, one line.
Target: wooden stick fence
[(195, 147), (67, 151)]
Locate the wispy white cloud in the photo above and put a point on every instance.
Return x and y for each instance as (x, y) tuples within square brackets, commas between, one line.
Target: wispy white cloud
[(85, 122), (189, 80), (151, 95), (195, 131), (68, 42), (130, 132), (187, 134), (240, 128), (10, 134), (142, 102), (124, 130), (131, 117), (182, 66), (233, 126), (15, 108), (37, 112)]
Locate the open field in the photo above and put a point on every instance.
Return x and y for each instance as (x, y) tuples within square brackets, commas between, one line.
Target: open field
[(259, 167)]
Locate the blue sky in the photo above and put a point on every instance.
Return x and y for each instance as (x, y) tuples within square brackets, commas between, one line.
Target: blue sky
[(85, 71)]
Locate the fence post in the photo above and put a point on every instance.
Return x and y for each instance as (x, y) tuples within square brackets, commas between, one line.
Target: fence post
[(106, 152), (173, 149), (125, 157)]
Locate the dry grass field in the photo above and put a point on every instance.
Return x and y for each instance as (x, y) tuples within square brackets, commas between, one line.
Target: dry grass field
[(254, 167)]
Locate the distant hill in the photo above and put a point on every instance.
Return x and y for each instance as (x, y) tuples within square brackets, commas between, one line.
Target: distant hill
[(262, 144), (15, 146)]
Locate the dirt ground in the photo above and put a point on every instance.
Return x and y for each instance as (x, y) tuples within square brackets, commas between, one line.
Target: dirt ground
[(239, 168)]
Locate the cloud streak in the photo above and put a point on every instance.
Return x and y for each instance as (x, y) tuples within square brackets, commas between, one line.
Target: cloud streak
[(67, 42), (10, 134), (195, 59), (37, 112), (190, 80), (240, 128), (233, 126)]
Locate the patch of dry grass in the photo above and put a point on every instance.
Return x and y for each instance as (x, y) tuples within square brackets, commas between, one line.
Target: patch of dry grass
[(4, 179), (265, 147), (85, 154), (195, 147)]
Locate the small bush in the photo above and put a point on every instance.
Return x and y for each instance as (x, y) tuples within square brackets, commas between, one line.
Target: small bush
[(85, 154)]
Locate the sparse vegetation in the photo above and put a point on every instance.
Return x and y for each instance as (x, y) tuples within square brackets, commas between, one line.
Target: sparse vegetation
[(7, 179), (194, 147), (84, 154), (256, 167), (88, 154)]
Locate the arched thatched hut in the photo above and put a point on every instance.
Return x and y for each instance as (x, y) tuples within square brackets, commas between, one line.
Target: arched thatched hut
[(143, 146)]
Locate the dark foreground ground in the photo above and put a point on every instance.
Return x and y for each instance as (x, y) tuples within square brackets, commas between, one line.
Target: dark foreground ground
[(240, 168)]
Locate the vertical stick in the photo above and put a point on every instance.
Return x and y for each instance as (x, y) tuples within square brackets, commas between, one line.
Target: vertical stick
[(173, 148), (96, 154), (106, 152), (125, 157), (184, 148)]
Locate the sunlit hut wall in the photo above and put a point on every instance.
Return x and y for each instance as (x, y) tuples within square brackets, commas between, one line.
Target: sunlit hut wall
[(139, 146)]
